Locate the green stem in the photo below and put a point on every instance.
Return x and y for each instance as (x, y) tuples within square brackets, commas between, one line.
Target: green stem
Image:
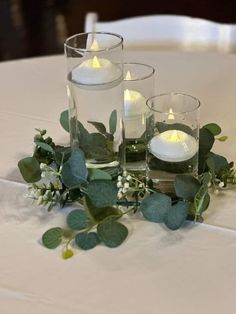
[(80, 231)]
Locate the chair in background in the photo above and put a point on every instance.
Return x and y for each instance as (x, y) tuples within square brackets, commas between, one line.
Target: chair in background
[(168, 32)]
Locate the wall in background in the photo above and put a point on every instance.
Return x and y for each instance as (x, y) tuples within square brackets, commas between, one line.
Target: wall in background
[(39, 27)]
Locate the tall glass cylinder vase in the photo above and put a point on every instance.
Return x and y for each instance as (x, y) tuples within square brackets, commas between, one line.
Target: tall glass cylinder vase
[(172, 130), (138, 87), (95, 95)]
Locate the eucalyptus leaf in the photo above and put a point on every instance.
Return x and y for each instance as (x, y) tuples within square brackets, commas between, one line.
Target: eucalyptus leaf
[(99, 126), (155, 207), (201, 163), (97, 174), (30, 169), (64, 120), (206, 141), (102, 193), (206, 179), (62, 154), (44, 146), (222, 138), (201, 203), (67, 254), (211, 166), (97, 147), (77, 219), (97, 140), (218, 163), (75, 194), (186, 186), (74, 171), (52, 238), (213, 128), (99, 214), (84, 135), (87, 241), (112, 233), (113, 122), (176, 215)]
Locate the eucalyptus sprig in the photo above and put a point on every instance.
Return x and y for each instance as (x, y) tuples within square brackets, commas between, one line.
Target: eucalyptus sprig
[(59, 175)]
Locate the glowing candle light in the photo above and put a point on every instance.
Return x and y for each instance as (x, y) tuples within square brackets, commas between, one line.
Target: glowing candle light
[(134, 102), (171, 115), (173, 145), (96, 71)]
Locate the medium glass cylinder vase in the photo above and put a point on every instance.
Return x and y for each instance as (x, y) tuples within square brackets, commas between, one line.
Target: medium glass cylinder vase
[(172, 130), (138, 87), (95, 96)]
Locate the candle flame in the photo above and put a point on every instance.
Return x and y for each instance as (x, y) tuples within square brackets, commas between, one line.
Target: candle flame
[(94, 45), (128, 76), (127, 95), (174, 137), (171, 115), (95, 62)]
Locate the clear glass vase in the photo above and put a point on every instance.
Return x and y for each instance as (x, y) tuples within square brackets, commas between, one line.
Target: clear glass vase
[(138, 87), (172, 133), (95, 96)]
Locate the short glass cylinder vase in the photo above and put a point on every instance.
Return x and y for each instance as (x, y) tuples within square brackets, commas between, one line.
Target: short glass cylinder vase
[(172, 131), (138, 87), (95, 96)]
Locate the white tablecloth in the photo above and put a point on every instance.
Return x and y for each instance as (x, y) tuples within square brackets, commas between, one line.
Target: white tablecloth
[(192, 270)]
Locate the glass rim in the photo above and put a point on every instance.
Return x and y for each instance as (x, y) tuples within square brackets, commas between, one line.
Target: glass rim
[(153, 70), (197, 106), (94, 33)]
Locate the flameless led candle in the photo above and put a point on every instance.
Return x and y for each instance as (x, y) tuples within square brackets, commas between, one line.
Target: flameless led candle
[(95, 71), (134, 102), (173, 146)]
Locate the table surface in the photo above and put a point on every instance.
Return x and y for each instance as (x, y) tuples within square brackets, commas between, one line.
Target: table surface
[(192, 270)]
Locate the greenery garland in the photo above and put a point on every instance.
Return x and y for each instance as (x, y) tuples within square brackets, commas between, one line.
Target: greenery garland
[(59, 176)]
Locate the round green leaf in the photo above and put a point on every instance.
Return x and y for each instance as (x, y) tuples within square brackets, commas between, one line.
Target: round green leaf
[(176, 215), (155, 207), (30, 169), (77, 219), (99, 126), (44, 146), (222, 138), (64, 120), (113, 122), (213, 128), (67, 254), (206, 141), (102, 193), (112, 233), (87, 241), (62, 154), (186, 186), (97, 174), (217, 163), (99, 214), (52, 237), (74, 171)]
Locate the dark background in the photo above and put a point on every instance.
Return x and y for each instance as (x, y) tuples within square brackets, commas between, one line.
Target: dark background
[(39, 27)]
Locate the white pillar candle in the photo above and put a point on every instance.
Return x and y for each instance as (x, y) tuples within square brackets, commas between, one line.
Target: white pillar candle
[(173, 146), (134, 104), (96, 71)]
